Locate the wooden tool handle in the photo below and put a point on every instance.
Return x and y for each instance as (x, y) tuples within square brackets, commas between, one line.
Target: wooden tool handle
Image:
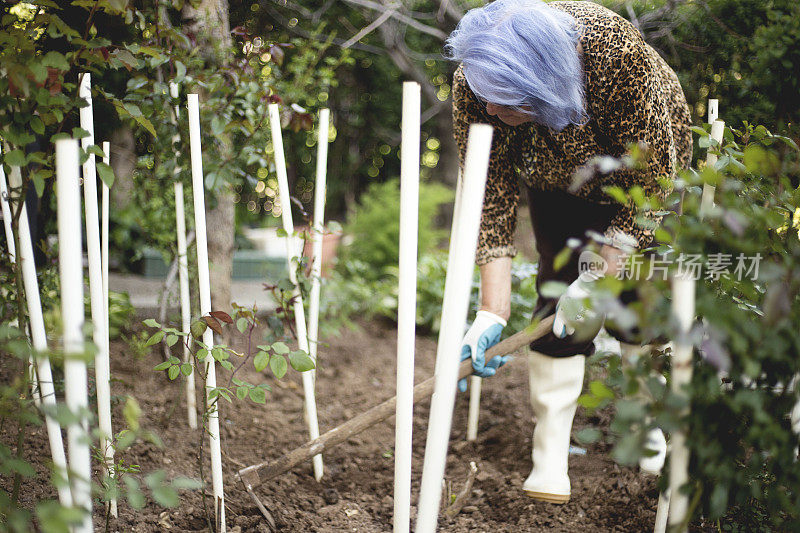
[(269, 469)]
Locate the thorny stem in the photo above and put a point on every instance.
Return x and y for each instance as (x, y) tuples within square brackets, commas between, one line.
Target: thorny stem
[(202, 434), (21, 324)]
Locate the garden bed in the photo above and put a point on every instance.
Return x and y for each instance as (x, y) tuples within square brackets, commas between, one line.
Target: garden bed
[(357, 371)]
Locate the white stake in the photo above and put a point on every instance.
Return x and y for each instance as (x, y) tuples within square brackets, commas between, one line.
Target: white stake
[(104, 207), (6, 210), (683, 309), (101, 365), (475, 382), (186, 303), (70, 264), (317, 232), (201, 243), (291, 255), (183, 273), (46, 390), (713, 110), (707, 199), (458, 283), (406, 304)]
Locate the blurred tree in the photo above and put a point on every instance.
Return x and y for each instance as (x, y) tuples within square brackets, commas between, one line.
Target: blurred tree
[(208, 21), (390, 42), (744, 52)]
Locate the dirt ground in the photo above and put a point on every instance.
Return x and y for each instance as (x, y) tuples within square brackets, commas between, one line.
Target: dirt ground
[(356, 371)]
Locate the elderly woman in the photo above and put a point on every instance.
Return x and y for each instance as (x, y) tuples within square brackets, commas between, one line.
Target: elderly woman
[(561, 83)]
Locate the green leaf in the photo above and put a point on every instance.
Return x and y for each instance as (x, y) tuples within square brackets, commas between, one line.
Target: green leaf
[(588, 435), (242, 324), (125, 57), (186, 369), (280, 348), (171, 339), (79, 133), (241, 392), (174, 371), (300, 361), (135, 495), (37, 125), (197, 328), (278, 366), (55, 60), (165, 496), (180, 72), (258, 395), (562, 258), (15, 158), (599, 389), (162, 366), (186, 483), (132, 413), (38, 183), (261, 360), (106, 173), (156, 338), (617, 193), (553, 289), (146, 124), (151, 323)]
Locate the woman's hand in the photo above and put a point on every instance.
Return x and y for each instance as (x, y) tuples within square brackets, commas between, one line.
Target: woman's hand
[(614, 258)]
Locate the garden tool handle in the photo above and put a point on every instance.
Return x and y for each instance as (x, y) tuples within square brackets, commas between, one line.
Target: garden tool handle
[(251, 477)]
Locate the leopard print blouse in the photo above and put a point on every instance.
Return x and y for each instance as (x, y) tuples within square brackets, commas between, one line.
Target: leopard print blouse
[(632, 96)]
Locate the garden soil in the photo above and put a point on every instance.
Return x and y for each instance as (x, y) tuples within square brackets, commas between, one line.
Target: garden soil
[(356, 371)]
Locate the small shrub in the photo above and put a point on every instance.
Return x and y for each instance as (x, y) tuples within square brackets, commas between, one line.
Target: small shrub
[(375, 225)]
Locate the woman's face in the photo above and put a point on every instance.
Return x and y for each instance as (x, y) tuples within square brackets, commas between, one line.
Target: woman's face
[(509, 115)]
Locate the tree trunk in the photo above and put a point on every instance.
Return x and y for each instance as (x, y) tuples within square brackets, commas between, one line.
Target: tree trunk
[(209, 21), (123, 161)]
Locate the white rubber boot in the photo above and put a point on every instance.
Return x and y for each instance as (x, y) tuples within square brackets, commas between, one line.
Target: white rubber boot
[(657, 443), (556, 383)]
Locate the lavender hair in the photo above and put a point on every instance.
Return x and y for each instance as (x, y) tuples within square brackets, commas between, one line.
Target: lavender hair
[(523, 53)]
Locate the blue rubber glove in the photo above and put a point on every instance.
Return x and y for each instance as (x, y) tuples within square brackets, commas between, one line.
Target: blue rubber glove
[(483, 334)]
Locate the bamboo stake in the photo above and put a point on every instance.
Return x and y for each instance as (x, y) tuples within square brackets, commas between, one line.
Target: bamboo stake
[(406, 304), (291, 257), (102, 364), (250, 476), (317, 232), (45, 389), (458, 283), (201, 243), (683, 309), (70, 265), (183, 274)]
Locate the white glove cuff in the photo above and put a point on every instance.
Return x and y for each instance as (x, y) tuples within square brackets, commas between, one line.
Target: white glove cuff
[(491, 316)]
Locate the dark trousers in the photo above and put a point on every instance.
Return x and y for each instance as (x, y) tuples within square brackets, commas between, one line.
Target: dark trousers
[(557, 217)]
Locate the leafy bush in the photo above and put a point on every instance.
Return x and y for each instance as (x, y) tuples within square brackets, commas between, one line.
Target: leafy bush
[(743, 449), (351, 293), (375, 225)]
